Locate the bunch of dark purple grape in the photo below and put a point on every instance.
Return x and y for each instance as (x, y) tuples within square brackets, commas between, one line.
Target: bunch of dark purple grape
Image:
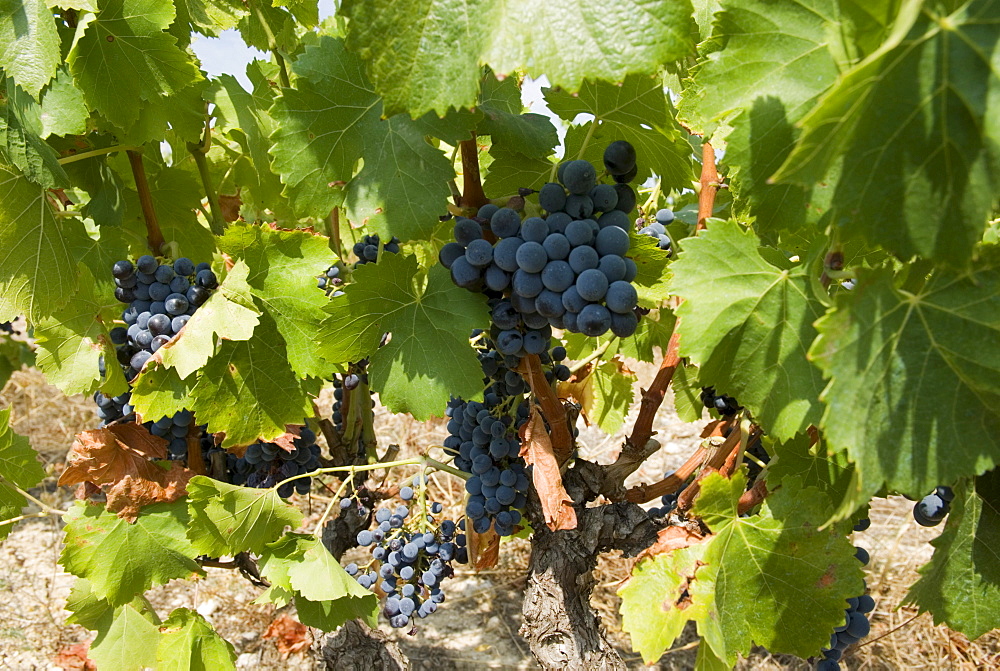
[(161, 299), (367, 248), (566, 270), (856, 625), (266, 464), (658, 229), (411, 556), (724, 405)]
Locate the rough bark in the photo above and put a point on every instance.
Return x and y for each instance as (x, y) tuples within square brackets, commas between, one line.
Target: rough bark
[(358, 647), (559, 624)]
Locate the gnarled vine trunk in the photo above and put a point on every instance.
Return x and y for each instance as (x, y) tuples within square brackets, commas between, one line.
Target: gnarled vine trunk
[(559, 624)]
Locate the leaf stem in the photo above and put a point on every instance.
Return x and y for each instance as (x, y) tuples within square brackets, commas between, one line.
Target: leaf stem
[(19, 518), (587, 138), (333, 230), (97, 152), (199, 152), (153, 235), (412, 461), (596, 354)]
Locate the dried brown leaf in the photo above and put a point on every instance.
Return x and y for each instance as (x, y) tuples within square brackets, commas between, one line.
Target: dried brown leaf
[(536, 448), (670, 539), (230, 206), (290, 636), (484, 548), (127, 496), (75, 657)]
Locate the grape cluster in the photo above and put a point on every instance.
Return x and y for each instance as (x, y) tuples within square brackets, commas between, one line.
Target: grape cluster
[(484, 441), (856, 625), (930, 510), (410, 559), (724, 405), (567, 270), (161, 299), (266, 464), (330, 281), (367, 248), (658, 229)]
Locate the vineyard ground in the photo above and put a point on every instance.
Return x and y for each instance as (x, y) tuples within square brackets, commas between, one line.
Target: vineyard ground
[(477, 627)]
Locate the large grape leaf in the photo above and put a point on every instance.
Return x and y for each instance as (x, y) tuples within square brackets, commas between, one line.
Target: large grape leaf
[(637, 110), (160, 392), (331, 121), (63, 110), (831, 474), (430, 321), (21, 141), (229, 313), (325, 596), (788, 51), (772, 579), (426, 55), (29, 43), (916, 123), (226, 519), (283, 267), (71, 341), (915, 379), (37, 269), (961, 584), (121, 559), (129, 642), (125, 43), (748, 324), (605, 394), (19, 466), (244, 117), (508, 126), (248, 391), (188, 642)]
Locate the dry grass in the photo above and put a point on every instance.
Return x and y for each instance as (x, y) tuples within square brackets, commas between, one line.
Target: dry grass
[(477, 627)]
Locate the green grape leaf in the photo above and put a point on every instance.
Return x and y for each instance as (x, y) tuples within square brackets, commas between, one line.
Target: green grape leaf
[(748, 323), (63, 111), (321, 125), (128, 643), (509, 171), (20, 139), (18, 466), (226, 519), (160, 392), (121, 559), (654, 330), (605, 394), (245, 119), (415, 73), (653, 273), (912, 377), (94, 613), (932, 92), (655, 601), (774, 578), (961, 584), (687, 393), (188, 642), (332, 120), (229, 313), (18, 461), (283, 267), (125, 43), (72, 340), (183, 118), (403, 187), (269, 27), (38, 273), (248, 391), (508, 126), (30, 52), (637, 111), (208, 17), (325, 595), (794, 65), (814, 466), (429, 319)]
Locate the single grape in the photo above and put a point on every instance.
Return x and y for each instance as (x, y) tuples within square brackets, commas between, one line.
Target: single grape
[(583, 258), (464, 274), (526, 284), (612, 240), (579, 207), (557, 276), (531, 257), (505, 253), (123, 269), (592, 285), (626, 198), (505, 222), (619, 157), (594, 320), (147, 264), (479, 253), (578, 176), (556, 246), (624, 324), (621, 297), (449, 252), (552, 197), (534, 229), (466, 230)]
